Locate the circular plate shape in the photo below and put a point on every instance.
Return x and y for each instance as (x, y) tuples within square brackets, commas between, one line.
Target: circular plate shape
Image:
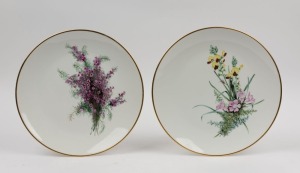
[(216, 91), (79, 93)]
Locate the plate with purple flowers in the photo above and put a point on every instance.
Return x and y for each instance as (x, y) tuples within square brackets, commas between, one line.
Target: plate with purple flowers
[(79, 92), (216, 91)]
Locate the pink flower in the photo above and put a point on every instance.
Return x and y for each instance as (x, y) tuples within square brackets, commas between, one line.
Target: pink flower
[(234, 106), (97, 61), (250, 99), (221, 105), (241, 95), (92, 85), (82, 57)]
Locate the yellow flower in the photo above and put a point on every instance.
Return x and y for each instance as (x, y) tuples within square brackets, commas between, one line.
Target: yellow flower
[(224, 66), (217, 58), (224, 53), (215, 65), (228, 76), (235, 70), (210, 59)]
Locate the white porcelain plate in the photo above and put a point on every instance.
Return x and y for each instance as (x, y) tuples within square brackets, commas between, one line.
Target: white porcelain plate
[(216, 91), (79, 92)]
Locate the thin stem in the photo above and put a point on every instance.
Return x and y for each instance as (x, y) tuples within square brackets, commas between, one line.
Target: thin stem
[(246, 126), (232, 89), (258, 102), (229, 94), (249, 81), (219, 91)]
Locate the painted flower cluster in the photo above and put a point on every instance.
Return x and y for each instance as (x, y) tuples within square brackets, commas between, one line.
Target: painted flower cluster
[(91, 86), (234, 103)]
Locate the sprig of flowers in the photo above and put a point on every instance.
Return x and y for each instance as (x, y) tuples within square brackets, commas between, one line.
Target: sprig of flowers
[(234, 104), (91, 86)]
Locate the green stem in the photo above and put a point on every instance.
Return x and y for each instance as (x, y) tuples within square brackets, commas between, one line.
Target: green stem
[(258, 102), (225, 80), (212, 110), (246, 126), (249, 81), (219, 91), (229, 94), (232, 89)]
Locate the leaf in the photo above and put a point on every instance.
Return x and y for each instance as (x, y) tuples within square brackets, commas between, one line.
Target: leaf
[(224, 84), (68, 46), (83, 50), (213, 50), (218, 96), (207, 114), (77, 67), (97, 127), (258, 102), (87, 64), (234, 62), (85, 107), (219, 91), (213, 110), (231, 121), (104, 58), (248, 84), (74, 93), (63, 74), (205, 106), (109, 114), (246, 126)]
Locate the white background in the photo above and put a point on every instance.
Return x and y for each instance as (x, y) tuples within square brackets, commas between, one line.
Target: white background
[(147, 29)]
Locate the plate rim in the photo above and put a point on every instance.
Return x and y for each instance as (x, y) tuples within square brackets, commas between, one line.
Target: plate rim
[(199, 30), (63, 32)]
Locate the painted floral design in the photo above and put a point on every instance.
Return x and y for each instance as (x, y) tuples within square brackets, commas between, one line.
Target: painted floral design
[(234, 103), (91, 86)]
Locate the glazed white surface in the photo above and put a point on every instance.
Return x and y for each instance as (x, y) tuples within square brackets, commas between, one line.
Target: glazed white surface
[(147, 29), (182, 82), (45, 101)]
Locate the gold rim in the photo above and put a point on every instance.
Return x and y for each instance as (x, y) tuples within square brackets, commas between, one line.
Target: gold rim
[(153, 81), (16, 97)]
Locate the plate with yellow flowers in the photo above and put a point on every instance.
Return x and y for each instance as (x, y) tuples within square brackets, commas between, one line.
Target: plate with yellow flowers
[(216, 91), (79, 92)]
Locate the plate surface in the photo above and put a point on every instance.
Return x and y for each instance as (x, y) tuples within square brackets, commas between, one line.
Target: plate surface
[(79, 93), (216, 91)]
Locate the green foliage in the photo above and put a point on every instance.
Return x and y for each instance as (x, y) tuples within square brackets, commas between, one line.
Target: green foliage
[(109, 113), (85, 107), (236, 84), (213, 50), (98, 113), (75, 93), (77, 67), (63, 74), (234, 62), (234, 111), (104, 58), (87, 64), (98, 125), (249, 82), (68, 46), (221, 93), (218, 96), (83, 50), (230, 121), (97, 118)]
